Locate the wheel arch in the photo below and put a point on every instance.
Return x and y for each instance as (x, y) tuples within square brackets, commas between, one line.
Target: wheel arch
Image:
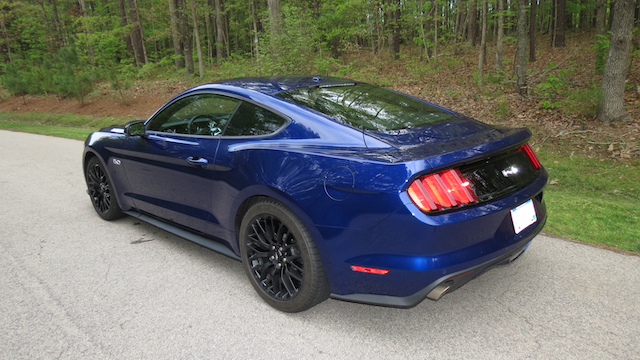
[(90, 153), (253, 194)]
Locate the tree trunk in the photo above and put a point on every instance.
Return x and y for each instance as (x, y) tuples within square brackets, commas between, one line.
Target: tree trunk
[(483, 44), (256, 40), (186, 39), (194, 16), (219, 32), (436, 18), (175, 34), (7, 41), (88, 31), (275, 17), (521, 50), (532, 32), (473, 19), (552, 23), (56, 22), (209, 32), (458, 20), (615, 71), (499, 45), (51, 38), (464, 18), (601, 12), (125, 22), (378, 29), (136, 33), (560, 22), (225, 31), (394, 28)]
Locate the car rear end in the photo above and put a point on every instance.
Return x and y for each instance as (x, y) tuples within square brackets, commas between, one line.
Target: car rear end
[(449, 198), (452, 224)]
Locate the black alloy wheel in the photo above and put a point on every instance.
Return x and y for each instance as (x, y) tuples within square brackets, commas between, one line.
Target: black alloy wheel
[(101, 191), (281, 259)]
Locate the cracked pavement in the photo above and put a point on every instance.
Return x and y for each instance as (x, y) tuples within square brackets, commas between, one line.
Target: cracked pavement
[(76, 287)]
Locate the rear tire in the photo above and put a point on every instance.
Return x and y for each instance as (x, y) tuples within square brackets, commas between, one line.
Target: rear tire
[(281, 259), (101, 191)]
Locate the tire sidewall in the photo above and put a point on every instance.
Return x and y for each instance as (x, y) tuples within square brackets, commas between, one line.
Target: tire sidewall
[(114, 211), (311, 277)]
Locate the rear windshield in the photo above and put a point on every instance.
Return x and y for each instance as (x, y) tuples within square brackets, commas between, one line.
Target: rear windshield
[(367, 106)]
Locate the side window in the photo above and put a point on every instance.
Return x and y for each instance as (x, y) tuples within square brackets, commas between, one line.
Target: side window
[(201, 114), (250, 119)]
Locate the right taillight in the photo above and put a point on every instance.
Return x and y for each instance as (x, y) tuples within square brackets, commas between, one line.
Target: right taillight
[(442, 190), (526, 148)]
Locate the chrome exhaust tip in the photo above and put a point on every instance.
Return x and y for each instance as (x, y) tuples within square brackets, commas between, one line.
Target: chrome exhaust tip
[(438, 291)]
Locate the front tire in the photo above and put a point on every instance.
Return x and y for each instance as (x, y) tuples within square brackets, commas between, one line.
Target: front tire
[(281, 259), (101, 191)]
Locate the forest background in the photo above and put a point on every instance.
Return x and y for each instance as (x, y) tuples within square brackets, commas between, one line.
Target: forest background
[(569, 70)]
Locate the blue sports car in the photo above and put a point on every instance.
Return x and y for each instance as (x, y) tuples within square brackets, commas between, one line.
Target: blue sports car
[(325, 187)]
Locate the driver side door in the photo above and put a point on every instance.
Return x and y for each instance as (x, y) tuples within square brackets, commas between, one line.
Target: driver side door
[(170, 169)]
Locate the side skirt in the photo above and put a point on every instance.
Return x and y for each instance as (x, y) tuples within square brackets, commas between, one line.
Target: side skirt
[(200, 240)]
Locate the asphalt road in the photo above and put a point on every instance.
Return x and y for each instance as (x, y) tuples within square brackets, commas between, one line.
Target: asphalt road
[(76, 287)]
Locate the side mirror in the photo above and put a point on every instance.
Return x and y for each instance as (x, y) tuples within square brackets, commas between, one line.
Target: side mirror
[(134, 128)]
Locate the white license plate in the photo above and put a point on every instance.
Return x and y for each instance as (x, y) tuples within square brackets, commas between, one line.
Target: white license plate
[(523, 216)]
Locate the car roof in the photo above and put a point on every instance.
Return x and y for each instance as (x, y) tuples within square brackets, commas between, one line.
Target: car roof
[(276, 84)]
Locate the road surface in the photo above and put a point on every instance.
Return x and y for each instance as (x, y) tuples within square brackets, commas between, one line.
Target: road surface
[(76, 287)]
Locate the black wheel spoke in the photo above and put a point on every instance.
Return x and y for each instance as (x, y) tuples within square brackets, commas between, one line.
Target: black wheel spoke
[(260, 232), (294, 273), (288, 283), (259, 255), (270, 250)]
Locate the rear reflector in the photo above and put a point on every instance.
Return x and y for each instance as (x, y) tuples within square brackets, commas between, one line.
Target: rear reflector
[(442, 190), (526, 148), (369, 270)]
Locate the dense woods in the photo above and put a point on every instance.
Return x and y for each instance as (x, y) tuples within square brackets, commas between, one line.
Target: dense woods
[(61, 46)]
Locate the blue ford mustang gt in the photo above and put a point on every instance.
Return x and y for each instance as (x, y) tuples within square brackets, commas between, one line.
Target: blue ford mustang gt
[(325, 187)]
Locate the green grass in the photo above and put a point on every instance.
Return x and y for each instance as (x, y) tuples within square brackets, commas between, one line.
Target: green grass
[(61, 131), (593, 201), (587, 199), (71, 126)]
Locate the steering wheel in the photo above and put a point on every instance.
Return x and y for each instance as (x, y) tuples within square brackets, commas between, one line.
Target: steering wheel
[(212, 125)]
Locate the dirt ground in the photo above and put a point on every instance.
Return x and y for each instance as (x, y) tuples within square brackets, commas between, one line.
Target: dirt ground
[(139, 104)]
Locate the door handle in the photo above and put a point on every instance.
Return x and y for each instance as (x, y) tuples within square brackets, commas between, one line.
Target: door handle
[(197, 161)]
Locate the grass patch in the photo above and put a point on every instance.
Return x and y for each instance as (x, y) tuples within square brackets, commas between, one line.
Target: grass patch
[(60, 131), (70, 126), (591, 200), (68, 120)]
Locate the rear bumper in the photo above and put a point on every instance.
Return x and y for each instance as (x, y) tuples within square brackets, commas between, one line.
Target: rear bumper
[(446, 283)]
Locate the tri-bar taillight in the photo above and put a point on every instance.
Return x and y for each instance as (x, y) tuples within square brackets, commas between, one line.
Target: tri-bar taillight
[(442, 190), (533, 158), (449, 188)]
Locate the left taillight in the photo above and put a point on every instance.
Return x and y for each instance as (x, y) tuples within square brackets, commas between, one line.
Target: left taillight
[(441, 191)]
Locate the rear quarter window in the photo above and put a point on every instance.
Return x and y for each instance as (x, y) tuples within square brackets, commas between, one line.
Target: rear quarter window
[(253, 120), (367, 106)]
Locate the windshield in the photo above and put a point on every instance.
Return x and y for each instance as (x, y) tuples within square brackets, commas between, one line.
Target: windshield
[(367, 106)]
